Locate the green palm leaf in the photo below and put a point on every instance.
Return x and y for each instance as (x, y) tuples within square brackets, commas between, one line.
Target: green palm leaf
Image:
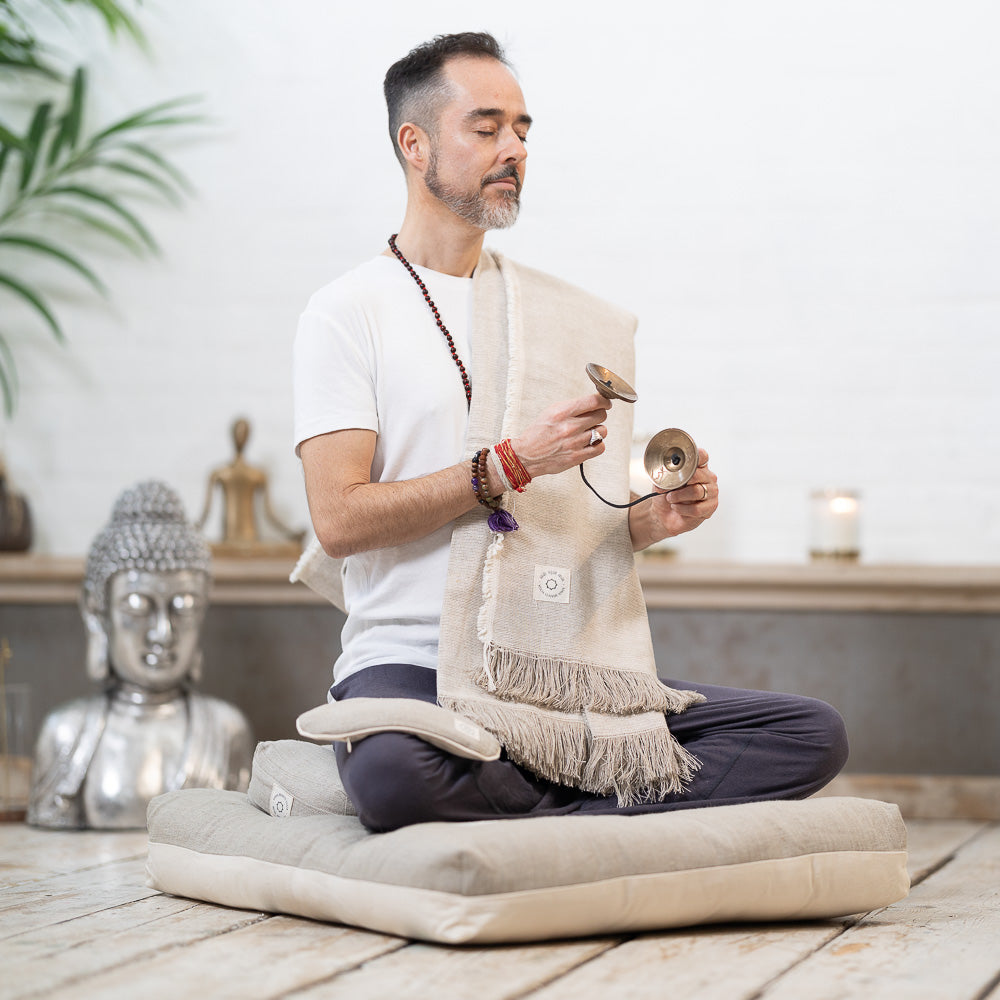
[(151, 117), (36, 301), (117, 19), (49, 249), (98, 224), (18, 54), (8, 378), (8, 141), (150, 178), (69, 124), (139, 149), (91, 194), (8, 138), (33, 141)]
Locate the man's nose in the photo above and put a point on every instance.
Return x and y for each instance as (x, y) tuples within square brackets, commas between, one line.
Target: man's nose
[(514, 150)]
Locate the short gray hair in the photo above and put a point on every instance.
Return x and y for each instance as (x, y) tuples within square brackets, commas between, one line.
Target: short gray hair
[(414, 86)]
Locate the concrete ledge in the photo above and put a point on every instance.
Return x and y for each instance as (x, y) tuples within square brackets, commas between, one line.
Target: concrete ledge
[(820, 587), (667, 583)]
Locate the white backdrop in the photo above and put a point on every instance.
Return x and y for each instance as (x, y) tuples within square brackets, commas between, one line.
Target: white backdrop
[(799, 200)]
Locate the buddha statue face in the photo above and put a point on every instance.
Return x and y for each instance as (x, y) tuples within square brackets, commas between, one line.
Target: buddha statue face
[(154, 624), (145, 592)]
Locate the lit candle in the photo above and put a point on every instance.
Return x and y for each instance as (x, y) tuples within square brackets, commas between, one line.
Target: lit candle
[(834, 524)]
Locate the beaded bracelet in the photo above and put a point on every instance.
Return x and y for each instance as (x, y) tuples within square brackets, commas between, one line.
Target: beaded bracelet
[(479, 482), (500, 519), (513, 470)]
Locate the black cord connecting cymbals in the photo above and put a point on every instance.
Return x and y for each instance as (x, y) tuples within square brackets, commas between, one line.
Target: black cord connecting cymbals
[(671, 457)]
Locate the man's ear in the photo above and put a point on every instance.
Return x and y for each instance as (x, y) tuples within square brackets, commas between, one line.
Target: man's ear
[(415, 145)]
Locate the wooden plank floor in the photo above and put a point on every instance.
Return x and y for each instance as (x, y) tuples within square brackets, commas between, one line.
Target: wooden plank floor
[(77, 921)]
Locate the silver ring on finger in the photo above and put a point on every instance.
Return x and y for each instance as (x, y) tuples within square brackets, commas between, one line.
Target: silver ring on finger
[(594, 436)]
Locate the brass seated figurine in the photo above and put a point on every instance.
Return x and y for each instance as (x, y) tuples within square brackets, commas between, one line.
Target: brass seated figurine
[(99, 760), (244, 487)]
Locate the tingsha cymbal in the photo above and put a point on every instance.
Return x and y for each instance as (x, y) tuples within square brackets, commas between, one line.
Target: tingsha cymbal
[(610, 385), (671, 458)]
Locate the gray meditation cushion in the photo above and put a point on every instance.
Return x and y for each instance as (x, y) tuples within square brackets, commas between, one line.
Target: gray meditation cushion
[(518, 879), (293, 778)]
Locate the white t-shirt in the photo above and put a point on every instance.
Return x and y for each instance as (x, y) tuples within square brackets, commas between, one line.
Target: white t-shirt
[(368, 354)]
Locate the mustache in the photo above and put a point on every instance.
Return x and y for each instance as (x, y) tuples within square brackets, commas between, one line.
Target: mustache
[(502, 174)]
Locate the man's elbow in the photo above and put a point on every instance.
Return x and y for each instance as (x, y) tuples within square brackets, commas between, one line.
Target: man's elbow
[(340, 524), (337, 541)]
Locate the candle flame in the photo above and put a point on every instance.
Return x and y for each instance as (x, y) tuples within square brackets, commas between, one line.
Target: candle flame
[(843, 505)]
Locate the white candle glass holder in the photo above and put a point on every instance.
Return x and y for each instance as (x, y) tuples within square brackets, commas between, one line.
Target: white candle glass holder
[(834, 524)]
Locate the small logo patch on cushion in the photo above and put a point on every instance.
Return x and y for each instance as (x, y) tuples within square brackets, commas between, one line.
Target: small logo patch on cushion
[(280, 805)]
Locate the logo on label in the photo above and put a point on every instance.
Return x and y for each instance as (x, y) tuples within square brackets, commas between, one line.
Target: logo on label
[(552, 584), (281, 802)]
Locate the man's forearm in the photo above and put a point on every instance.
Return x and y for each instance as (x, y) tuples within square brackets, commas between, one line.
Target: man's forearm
[(351, 514), (380, 515)]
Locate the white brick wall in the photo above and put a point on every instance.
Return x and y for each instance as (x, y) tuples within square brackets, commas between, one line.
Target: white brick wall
[(799, 200)]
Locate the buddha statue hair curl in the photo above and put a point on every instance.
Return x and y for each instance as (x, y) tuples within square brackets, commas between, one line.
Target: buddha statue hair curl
[(148, 530)]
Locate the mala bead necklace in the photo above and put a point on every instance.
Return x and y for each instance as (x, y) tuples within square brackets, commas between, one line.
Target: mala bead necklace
[(437, 319), (500, 519)]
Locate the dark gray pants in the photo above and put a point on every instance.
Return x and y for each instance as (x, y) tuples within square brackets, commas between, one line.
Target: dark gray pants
[(752, 745)]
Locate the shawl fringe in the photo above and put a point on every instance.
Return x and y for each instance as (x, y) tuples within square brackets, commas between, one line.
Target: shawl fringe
[(638, 767), (553, 749), (634, 767), (573, 685)]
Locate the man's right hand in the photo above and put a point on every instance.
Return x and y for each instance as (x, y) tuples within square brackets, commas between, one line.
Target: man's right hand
[(561, 434)]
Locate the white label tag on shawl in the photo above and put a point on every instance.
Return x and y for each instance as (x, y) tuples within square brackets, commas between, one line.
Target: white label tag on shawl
[(281, 802), (552, 584)]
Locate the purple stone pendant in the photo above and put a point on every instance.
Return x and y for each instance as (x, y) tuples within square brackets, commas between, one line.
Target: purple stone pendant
[(501, 520)]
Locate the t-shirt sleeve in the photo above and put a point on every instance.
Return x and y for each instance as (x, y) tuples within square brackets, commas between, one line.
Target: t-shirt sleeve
[(333, 377)]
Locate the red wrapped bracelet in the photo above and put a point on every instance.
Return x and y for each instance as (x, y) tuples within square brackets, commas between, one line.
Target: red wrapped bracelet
[(515, 472)]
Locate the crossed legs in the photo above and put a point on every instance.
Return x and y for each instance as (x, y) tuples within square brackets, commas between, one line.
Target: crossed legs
[(753, 745)]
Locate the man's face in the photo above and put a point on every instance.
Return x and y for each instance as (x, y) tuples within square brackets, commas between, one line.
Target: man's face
[(477, 155), (155, 621)]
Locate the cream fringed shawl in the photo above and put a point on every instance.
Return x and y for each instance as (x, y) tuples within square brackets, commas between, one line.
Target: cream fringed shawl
[(544, 636)]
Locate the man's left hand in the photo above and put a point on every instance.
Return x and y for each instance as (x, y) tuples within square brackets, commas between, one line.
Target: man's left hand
[(679, 510)]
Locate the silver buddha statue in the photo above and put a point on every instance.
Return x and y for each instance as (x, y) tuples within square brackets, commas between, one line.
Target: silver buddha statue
[(99, 760)]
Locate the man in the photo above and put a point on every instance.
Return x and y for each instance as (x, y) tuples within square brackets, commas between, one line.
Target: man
[(393, 423)]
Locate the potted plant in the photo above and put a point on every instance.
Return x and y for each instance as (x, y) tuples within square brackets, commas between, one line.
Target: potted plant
[(65, 180)]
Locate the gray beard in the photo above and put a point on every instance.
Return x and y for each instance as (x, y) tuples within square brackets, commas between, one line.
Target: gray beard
[(473, 207)]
